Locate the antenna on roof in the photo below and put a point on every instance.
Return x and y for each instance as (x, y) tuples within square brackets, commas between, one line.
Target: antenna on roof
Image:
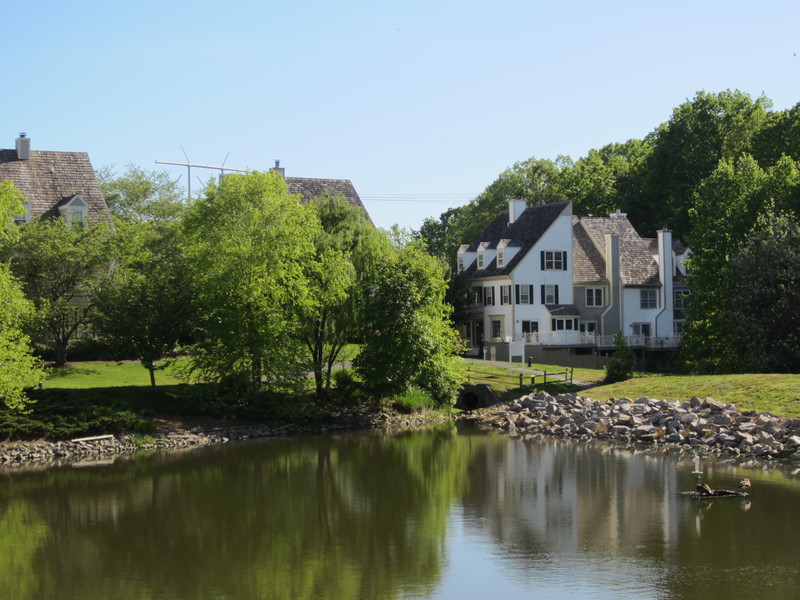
[(188, 164)]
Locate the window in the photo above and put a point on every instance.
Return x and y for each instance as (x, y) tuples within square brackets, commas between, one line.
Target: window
[(678, 327), (477, 296), (460, 262), (588, 327), (680, 298), (554, 260), (564, 324), (480, 260), (641, 329), (524, 294), (497, 328), (488, 296), (530, 327), (550, 294), (648, 299), (505, 294), (26, 216), (501, 258), (594, 296)]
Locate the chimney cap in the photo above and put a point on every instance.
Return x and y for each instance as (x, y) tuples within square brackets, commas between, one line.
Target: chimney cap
[(22, 134)]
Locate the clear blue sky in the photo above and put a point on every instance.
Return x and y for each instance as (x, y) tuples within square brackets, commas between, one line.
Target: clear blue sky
[(420, 104)]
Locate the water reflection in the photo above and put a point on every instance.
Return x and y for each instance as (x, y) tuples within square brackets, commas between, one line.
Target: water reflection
[(433, 514)]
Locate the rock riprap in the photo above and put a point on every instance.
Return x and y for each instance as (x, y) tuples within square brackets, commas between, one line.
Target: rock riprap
[(704, 425)]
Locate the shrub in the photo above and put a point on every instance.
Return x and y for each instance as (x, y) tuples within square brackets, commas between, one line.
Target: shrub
[(414, 400), (622, 362)]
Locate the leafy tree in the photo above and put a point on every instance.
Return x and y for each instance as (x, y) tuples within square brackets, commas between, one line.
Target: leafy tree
[(727, 207), (249, 241), (346, 248), (141, 195), (763, 287), (147, 307), (61, 267), (408, 338), (687, 149), (18, 368), (622, 362)]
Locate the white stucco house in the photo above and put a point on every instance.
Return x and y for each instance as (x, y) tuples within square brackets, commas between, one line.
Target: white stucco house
[(547, 286)]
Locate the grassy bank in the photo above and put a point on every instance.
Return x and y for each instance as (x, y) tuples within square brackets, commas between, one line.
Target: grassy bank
[(95, 398), (775, 393)]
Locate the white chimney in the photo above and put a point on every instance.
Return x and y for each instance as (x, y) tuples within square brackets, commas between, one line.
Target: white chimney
[(515, 208), (618, 214), (278, 169), (23, 147)]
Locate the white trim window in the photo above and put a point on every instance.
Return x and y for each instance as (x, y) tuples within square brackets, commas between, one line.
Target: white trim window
[(564, 324), (642, 329), (594, 297), (553, 260), (550, 295), (648, 299), (497, 328), (460, 263), (505, 294), (480, 259), (501, 258)]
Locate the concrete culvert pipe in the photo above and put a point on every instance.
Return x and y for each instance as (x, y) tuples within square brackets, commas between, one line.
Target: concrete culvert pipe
[(474, 396)]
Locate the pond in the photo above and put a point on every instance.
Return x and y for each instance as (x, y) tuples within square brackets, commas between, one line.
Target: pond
[(440, 514)]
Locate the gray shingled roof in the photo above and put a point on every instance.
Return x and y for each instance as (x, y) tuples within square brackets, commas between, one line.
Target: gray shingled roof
[(311, 188), (50, 179), (523, 233), (637, 266)]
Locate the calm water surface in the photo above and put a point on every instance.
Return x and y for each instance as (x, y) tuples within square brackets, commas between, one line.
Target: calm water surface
[(437, 514)]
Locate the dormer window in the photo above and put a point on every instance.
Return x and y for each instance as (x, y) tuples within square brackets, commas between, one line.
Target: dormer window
[(75, 211), (501, 258), (460, 263), (480, 259), (26, 215)]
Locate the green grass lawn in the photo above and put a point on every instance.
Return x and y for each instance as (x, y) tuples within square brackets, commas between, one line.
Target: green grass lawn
[(108, 374), (775, 393)]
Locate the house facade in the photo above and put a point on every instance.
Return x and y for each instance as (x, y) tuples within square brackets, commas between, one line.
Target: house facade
[(547, 286), (56, 184)]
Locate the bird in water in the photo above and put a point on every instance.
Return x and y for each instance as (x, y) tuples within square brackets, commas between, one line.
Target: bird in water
[(704, 490), (744, 484)]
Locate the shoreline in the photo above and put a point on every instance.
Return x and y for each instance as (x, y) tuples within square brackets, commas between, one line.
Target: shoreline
[(700, 426)]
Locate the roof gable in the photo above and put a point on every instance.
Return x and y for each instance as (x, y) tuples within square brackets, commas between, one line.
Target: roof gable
[(310, 188), (50, 179), (529, 227), (637, 266)]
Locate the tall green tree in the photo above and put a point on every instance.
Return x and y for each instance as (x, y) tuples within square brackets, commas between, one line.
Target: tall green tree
[(61, 268), (728, 205), (137, 194), (18, 367), (763, 288), (347, 247), (700, 133), (147, 306), (248, 242), (408, 337)]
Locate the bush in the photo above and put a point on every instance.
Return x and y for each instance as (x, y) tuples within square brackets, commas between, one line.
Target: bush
[(344, 379), (413, 400), (622, 362)]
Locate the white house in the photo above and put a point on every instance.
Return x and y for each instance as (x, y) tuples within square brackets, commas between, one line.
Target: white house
[(549, 286)]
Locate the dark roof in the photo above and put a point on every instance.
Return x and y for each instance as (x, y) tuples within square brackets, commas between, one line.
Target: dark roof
[(51, 179), (637, 266), (523, 233), (563, 310), (312, 188)]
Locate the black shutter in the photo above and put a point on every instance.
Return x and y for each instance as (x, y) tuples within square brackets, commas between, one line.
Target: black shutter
[(530, 293), (516, 294), (501, 295), (556, 294), (564, 262), (543, 294), (541, 257)]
